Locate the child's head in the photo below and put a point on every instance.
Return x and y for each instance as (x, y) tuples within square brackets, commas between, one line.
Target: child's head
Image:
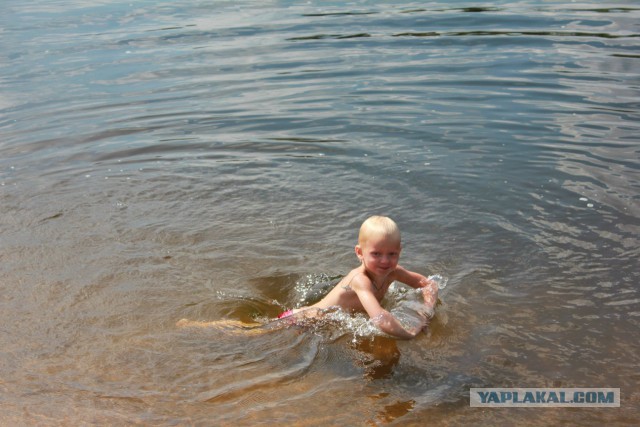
[(379, 227), (379, 245)]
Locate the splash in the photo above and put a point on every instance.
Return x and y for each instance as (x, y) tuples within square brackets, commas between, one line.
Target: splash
[(404, 303), (413, 314), (408, 306), (440, 280), (358, 325), (312, 287)]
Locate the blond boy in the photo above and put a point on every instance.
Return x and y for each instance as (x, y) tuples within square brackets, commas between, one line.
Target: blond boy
[(363, 289)]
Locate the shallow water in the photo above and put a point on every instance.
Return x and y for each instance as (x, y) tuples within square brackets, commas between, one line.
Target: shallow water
[(213, 161)]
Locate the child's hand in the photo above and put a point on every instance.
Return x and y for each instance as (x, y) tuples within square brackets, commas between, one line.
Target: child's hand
[(426, 312), (430, 293)]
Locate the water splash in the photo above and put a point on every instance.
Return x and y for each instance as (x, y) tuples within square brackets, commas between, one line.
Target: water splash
[(413, 314), (404, 303), (312, 287), (440, 280), (358, 325)]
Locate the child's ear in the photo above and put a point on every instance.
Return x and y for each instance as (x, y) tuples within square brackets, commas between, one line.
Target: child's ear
[(359, 252)]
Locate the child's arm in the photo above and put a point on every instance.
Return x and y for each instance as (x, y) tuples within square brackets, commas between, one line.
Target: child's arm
[(390, 325), (379, 316), (418, 281)]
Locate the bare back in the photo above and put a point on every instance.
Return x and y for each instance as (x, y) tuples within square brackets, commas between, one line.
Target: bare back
[(344, 295)]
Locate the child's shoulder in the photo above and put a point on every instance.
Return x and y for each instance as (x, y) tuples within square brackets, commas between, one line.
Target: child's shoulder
[(357, 278), (400, 272)]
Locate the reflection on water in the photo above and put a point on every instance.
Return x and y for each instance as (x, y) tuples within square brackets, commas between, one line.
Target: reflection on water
[(212, 161)]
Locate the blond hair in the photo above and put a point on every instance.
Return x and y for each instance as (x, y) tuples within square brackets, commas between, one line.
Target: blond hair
[(379, 226)]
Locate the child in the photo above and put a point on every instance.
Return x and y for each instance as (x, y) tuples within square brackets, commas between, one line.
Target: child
[(364, 287)]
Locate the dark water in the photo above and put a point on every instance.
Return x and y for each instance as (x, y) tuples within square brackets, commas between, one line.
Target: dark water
[(213, 160)]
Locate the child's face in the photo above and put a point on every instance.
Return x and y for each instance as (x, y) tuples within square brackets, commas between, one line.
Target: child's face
[(380, 254)]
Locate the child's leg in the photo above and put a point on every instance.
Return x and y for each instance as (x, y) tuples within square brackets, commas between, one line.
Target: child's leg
[(233, 326)]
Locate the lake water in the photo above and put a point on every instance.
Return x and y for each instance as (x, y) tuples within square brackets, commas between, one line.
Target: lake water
[(213, 160)]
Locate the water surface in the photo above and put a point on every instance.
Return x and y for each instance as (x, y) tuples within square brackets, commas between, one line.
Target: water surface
[(213, 160)]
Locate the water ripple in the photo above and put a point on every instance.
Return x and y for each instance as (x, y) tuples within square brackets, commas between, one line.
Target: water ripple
[(208, 160)]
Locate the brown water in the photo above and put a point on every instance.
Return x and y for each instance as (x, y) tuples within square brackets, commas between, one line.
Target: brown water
[(213, 161)]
